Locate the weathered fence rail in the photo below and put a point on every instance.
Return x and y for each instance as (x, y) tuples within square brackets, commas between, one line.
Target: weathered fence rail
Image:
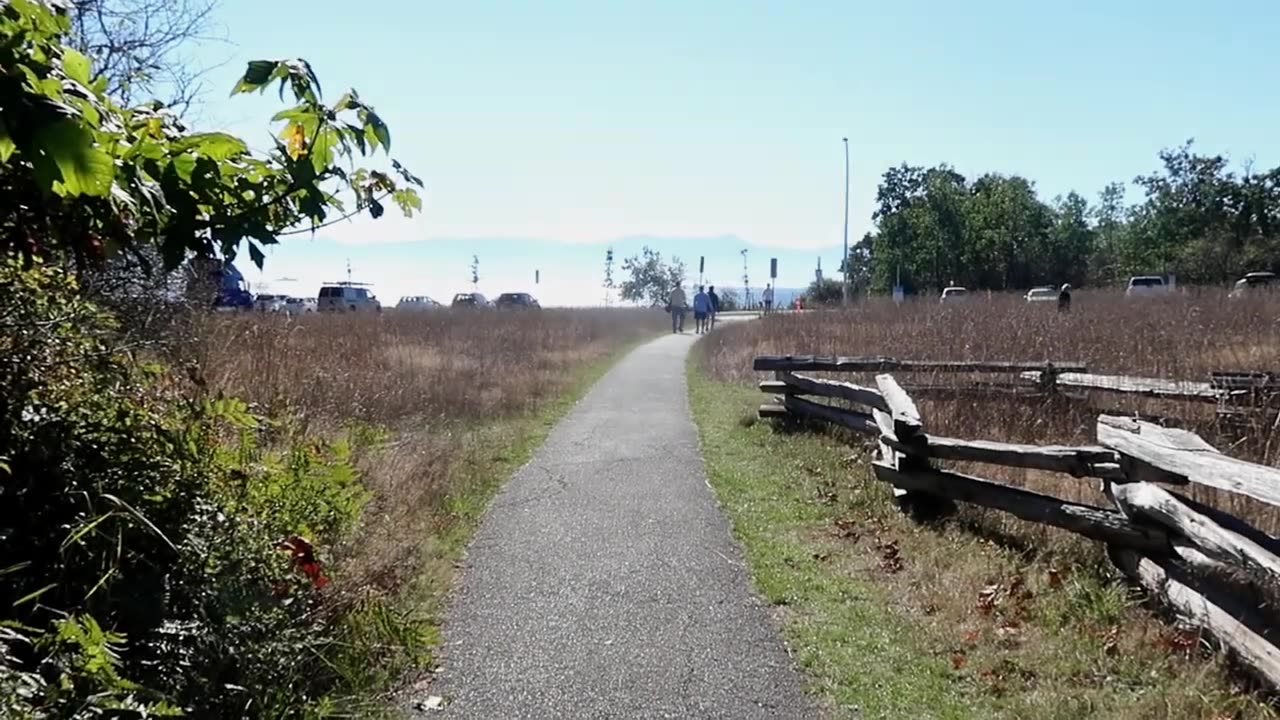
[(840, 363), (1163, 541)]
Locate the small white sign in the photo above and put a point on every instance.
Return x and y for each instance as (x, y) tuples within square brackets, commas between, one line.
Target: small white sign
[(898, 294)]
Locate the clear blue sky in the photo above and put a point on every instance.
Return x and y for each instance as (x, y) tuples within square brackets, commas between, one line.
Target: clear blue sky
[(546, 130)]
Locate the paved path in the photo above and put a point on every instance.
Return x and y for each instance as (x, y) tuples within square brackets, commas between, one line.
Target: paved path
[(603, 581)]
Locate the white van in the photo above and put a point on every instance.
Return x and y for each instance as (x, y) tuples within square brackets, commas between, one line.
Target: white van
[(347, 297)]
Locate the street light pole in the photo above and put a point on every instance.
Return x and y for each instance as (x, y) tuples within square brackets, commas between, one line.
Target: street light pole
[(844, 263)]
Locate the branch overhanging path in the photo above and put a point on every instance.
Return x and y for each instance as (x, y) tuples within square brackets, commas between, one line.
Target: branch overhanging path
[(604, 581)]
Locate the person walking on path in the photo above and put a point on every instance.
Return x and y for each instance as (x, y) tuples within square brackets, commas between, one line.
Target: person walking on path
[(715, 305), (701, 311), (676, 304), (1064, 298), (767, 296)]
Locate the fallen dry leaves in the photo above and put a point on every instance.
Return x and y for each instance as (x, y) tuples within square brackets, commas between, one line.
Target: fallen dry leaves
[(847, 528), (890, 556), (1055, 578), (1111, 641), (988, 598)]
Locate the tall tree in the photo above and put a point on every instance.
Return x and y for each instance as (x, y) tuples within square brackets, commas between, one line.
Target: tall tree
[(1070, 242), (1109, 222), (1198, 218), (651, 278), (137, 46)]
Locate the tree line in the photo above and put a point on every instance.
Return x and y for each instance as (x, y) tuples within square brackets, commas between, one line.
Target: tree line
[(1198, 219)]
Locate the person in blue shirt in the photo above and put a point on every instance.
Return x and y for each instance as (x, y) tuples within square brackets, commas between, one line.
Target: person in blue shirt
[(701, 311)]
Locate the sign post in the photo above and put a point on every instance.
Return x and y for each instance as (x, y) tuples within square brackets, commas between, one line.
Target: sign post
[(702, 266)]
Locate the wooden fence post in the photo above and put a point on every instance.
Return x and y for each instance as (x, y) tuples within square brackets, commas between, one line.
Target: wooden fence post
[(902, 426)]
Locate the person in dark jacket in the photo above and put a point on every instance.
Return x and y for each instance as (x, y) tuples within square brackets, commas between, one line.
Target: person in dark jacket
[(715, 305), (1064, 298)]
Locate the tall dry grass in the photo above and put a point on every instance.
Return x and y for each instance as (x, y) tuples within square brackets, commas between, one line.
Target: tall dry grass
[(1181, 337), (448, 389), (400, 367), (1178, 337)]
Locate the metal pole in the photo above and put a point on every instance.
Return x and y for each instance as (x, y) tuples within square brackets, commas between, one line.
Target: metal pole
[(844, 284)]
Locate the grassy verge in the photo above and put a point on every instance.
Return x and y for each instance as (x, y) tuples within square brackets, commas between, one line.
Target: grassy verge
[(893, 619)]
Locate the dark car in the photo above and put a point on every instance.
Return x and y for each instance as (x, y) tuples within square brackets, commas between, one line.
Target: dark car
[(470, 300), (517, 300)]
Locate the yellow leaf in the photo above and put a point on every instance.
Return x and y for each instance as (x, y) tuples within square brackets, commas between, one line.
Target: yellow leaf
[(296, 138)]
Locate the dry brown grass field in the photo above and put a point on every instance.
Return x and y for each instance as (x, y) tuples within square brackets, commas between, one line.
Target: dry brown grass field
[(418, 367), (987, 590), (1177, 338), (457, 398)]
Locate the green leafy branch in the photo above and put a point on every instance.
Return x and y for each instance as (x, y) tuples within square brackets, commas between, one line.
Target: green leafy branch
[(85, 177)]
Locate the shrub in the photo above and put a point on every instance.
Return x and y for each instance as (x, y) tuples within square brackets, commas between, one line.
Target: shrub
[(154, 557)]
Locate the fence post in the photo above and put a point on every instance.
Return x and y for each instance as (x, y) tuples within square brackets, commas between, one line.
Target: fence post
[(903, 424), (1048, 382)]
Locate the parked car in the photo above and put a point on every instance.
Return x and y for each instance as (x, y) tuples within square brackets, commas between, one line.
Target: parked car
[(269, 303), (348, 297), (417, 302), (471, 300), (1042, 294), (1146, 286), (1255, 282), (954, 294), (299, 306), (232, 294), (517, 300)]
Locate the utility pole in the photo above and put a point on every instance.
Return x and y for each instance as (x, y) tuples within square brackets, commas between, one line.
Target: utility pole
[(844, 263), (746, 282)]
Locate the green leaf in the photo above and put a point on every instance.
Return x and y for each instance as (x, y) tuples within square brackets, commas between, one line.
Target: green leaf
[(256, 76), (299, 114), (215, 145), (141, 518), (256, 254), (380, 130), (76, 66), (322, 149), (408, 201), (7, 146), (69, 162), (33, 595), (350, 100), (183, 165), (357, 134)]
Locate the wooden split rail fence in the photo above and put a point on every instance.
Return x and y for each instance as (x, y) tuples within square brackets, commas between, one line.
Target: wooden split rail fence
[(1175, 547)]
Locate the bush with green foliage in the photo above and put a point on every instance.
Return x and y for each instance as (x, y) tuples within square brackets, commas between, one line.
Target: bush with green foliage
[(827, 291), (143, 530), (155, 557)]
